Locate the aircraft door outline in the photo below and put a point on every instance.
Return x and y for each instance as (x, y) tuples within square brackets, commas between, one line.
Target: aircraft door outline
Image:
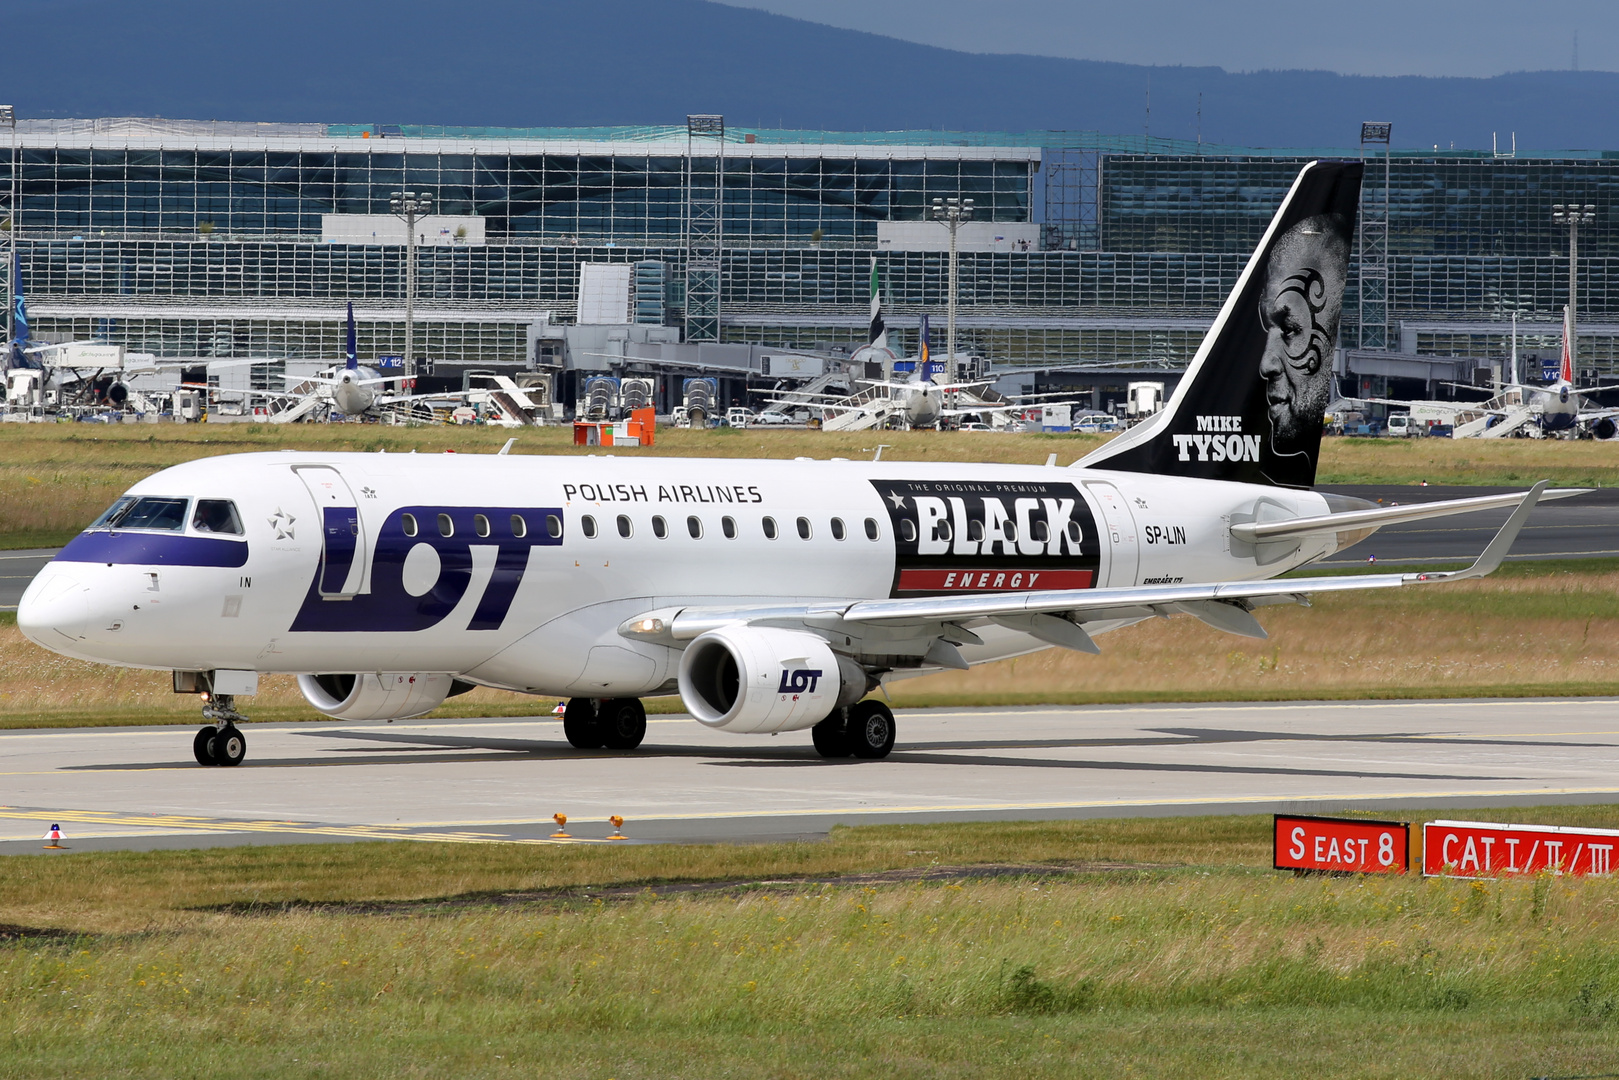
[(345, 550), (1119, 538)]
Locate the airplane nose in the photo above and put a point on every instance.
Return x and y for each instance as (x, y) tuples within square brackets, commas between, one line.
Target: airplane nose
[(55, 610)]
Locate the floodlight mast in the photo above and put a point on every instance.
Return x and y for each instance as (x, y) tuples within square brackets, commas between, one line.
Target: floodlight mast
[(952, 212), (409, 205), (8, 117), (1573, 215)]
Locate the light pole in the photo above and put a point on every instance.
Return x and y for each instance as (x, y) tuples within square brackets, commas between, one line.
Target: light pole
[(8, 116), (952, 212), (1573, 215), (410, 205)]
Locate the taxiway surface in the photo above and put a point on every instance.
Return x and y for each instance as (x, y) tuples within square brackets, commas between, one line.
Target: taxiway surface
[(500, 780)]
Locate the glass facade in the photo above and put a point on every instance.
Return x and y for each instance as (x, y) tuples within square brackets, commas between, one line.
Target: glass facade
[(1140, 241), (522, 196)]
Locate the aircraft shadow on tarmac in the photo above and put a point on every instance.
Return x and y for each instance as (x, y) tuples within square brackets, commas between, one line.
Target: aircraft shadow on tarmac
[(421, 749)]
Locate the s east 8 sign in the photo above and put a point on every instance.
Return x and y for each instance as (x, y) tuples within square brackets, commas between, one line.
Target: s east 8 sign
[(1344, 845)]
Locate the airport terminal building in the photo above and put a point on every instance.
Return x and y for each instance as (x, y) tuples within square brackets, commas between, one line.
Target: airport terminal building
[(1087, 252)]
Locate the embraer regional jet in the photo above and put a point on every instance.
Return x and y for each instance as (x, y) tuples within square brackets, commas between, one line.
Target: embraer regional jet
[(771, 595)]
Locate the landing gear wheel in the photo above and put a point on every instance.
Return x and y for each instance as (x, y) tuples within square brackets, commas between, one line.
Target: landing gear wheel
[(579, 724), (203, 745), (229, 746), (621, 723), (871, 729), (831, 736)]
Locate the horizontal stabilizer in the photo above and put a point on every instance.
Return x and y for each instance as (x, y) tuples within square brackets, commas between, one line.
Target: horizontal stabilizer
[(1253, 532)]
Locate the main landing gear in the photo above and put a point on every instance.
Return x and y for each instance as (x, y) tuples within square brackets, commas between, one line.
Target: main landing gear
[(221, 743), (863, 730), (616, 723)]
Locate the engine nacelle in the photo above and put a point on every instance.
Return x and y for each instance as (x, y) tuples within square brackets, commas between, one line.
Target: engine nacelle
[(758, 679), (370, 696), (1605, 428)]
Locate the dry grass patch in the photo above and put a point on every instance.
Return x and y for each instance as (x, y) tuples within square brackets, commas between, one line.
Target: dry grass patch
[(1216, 971)]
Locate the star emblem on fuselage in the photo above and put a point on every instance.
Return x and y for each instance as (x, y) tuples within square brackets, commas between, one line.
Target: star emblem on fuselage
[(281, 522), (898, 500)]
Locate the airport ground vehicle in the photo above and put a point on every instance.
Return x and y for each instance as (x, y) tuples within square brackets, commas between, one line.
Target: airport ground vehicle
[(1400, 425)]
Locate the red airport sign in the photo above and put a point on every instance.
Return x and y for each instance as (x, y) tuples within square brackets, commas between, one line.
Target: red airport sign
[(1473, 849), (1341, 845)]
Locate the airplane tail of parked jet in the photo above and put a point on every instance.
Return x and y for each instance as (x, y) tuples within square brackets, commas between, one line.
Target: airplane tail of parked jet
[(18, 346), (352, 361), (1567, 372), (879, 330), (1252, 404)]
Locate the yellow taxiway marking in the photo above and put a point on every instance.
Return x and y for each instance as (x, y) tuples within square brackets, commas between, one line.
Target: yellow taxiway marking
[(465, 832), (183, 823)]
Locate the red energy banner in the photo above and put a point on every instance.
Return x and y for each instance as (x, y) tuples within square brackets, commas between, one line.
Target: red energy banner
[(1345, 845), (1474, 849), (992, 580)]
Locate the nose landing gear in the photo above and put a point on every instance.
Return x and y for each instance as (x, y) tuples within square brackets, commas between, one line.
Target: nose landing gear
[(224, 743)]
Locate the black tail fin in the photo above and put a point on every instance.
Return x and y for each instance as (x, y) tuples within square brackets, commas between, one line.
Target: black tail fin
[(1252, 403)]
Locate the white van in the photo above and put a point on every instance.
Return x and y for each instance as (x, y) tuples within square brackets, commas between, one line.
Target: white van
[(1401, 427)]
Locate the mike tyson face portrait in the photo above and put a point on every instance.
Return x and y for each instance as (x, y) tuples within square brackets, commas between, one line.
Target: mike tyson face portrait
[(1299, 310)]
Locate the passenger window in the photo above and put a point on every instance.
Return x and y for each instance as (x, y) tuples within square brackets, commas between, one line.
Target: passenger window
[(803, 528), (1075, 533), (871, 529), (553, 526), (151, 512), (1040, 531), (837, 528), (446, 527), (945, 532), (408, 523), (1009, 530), (625, 529), (588, 525), (217, 516), (480, 524), (660, 527), (728, 527), (694, 525), (907, 531), (770, 528), (975, 530), (519, 526)]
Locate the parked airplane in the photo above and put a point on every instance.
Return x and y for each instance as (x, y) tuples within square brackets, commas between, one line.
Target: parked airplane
[(1554, 407), (352, 389), (770, 595)]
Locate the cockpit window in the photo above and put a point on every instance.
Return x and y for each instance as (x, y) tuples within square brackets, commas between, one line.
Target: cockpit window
[(145, 512), (113, 512), (216, 516)]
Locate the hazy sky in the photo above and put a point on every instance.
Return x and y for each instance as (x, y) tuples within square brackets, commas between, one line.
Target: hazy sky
[(1360, 37)]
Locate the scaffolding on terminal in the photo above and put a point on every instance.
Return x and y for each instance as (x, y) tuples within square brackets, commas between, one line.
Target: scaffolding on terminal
[(705, 224)]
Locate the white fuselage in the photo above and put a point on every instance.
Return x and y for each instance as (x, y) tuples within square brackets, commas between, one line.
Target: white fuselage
[(327, 576)]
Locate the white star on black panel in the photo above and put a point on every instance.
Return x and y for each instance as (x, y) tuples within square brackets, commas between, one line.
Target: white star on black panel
[(898, 500)]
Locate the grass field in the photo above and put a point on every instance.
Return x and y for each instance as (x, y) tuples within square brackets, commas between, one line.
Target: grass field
[(54, 478), (1159, 948)]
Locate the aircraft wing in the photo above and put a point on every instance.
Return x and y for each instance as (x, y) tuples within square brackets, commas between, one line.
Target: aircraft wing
[(1056, 616)]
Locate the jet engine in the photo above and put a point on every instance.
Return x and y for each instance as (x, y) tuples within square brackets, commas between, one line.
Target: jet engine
[(751, 679), (1605, 428), (372, 696)]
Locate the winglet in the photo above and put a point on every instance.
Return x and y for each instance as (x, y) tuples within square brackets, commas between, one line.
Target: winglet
[(1491, 558)]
